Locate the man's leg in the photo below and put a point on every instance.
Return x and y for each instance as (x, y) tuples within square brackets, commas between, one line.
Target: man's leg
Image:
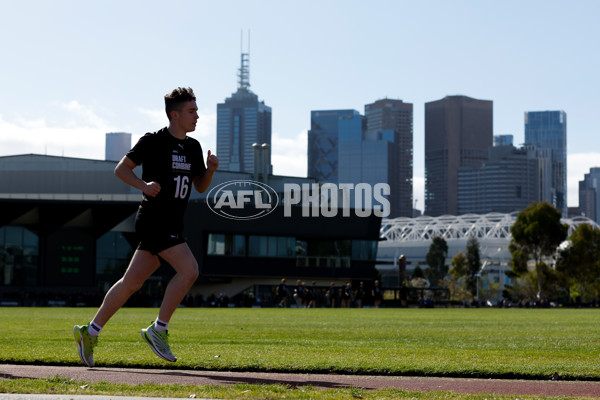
[(184, 263), (182, 260), (142, 265)]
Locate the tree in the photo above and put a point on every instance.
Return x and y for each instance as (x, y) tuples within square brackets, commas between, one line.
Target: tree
[(436, 259), (536, 234), (457, 284), (459, 266), (465, 267), (579, 261), (417, 279), (417, 272), (473, 264)]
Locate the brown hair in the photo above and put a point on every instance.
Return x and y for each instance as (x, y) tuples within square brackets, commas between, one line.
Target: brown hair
[(177, 97)]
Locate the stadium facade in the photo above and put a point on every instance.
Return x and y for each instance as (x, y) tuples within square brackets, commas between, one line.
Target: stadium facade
[(412, 237), (67, 234)]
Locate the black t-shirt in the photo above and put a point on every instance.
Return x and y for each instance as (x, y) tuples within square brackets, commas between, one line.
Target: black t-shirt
[(173, 163)]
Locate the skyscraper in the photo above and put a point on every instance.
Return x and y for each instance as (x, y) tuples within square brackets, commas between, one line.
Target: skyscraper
[(503, 140), (548, 130), (507, 182), (116, 145), (242, 120), (589, 198), (323, 148), (458, 133), (345, 147), (396, 116)]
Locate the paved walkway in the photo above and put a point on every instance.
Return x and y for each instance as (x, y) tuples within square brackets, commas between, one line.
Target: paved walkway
[(190, 377)]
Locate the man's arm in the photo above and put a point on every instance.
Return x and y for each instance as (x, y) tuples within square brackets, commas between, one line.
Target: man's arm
[(202, 182), (124, 171)]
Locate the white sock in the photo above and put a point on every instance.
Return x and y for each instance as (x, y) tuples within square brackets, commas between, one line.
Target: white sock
[(94, 329), (160, 326)]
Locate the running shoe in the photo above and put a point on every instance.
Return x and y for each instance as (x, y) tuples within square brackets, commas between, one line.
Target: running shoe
[(158, 342), (85, 344)]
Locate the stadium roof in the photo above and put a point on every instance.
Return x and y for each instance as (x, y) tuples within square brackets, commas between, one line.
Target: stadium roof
[(484, 226)]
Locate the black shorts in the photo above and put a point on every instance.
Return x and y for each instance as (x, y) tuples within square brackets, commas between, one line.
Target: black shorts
[(155, 238), (157, 243)]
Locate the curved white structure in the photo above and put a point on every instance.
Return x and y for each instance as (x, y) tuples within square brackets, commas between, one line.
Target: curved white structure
[(412, 237)]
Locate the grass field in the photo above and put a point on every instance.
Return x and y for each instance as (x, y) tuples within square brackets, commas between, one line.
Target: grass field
[(501, 343)]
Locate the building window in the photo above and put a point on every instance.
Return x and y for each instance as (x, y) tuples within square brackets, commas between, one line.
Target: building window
[(220, 244), (18, 256), (113, 253), (271, 246), (365, 250), (324, 253)]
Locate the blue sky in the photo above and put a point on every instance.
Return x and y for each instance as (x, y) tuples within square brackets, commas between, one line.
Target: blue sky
[(74, 70)]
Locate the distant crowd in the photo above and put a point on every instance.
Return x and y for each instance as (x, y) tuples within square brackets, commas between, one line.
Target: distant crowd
[(300, 295), (345, 296)]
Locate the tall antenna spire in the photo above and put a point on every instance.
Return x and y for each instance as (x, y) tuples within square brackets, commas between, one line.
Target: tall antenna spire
[(244, 71)]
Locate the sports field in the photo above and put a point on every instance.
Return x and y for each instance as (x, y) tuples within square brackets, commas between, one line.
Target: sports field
[(505, 343)]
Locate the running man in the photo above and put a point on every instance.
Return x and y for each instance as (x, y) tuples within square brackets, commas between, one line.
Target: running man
[(171, 163)]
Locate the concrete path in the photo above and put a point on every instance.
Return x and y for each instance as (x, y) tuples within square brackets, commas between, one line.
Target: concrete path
[(190, 377)]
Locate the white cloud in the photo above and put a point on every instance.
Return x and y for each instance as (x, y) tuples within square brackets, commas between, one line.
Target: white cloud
[(87, 115), (288, 155), (156, 117), (81, 142), (81, 134), (578, 165), (76, 130)]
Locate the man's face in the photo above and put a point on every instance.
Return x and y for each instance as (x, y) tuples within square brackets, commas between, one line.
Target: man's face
[(187, 116)]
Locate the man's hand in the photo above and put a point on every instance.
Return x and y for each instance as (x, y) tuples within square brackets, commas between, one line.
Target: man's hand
[(212, 162), (151, 189)]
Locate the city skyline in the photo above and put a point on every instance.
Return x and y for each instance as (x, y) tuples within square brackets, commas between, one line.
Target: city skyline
[(70, 78)]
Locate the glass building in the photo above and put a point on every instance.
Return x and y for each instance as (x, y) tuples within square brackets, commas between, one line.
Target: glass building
[(548, 130), (242, 120), (503, 140), (397, 117), (323, 139), (346, 147), (589, 200)]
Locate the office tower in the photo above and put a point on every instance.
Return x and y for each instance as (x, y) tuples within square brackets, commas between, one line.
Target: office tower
[(322, 146), (395, 116), (508, 181), (503, 140), (589, 200), (367, 157), (242, 120), (458, 133), (117, 144), (545, 158), (548, 130)]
